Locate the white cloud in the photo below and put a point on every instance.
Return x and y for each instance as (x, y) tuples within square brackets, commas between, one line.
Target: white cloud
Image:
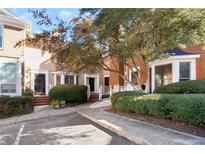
[(65, 14), (25, 16)]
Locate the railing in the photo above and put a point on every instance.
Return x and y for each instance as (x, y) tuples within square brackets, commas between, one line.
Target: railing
[(108, 90)]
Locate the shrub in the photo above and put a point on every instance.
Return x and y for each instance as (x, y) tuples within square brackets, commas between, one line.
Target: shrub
[(27, 92), (117, 95), (183, 87), (189, 108), (69, 93), (55, 103), (13, 106)]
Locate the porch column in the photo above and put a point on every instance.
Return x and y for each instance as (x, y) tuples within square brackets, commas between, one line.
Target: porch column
[(75, 79), (153, 77), (97, 84), (19, 79), (32, 80), (54, 78), (62, 79), (175, 71), (47, 82), (193, 69)]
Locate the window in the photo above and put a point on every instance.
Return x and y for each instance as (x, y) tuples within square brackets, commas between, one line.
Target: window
[(106, 81), (69, 79), (134, 75), (58, 79), (163, 75), (8, 77), (1, 36), (184, 72)]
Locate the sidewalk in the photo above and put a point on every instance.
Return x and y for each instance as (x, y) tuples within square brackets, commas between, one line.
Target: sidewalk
[(139, 132)]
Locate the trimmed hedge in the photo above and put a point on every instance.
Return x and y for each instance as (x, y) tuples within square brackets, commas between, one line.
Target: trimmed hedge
[(69, 93), (183, 87), (189, 108), (27, 92), (117, 95), (14, 106)]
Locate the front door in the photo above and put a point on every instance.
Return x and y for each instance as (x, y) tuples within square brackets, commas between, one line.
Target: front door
[(92, 84), (40, 84)]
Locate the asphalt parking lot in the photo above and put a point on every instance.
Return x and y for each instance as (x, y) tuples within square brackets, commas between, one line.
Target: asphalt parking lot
[(58, 130)]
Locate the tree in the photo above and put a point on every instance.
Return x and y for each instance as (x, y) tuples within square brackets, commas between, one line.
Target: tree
[(83, 44)]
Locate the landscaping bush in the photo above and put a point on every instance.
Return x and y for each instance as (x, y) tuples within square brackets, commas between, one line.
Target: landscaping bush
[(69, 93), (183, 87), (189, 108), (13, 106), (27, 92), (116, 95)]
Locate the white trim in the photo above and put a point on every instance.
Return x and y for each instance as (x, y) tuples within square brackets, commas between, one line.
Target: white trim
[(96, 77), (33, 72), (70, 74), (171, 58), (12, 20), (105, 76), (175, 67), (62, 78), (19, 76), (2, 31), (54, 78), (130, 73)]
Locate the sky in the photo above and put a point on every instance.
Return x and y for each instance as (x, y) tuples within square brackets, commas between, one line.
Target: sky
[(62, 13)]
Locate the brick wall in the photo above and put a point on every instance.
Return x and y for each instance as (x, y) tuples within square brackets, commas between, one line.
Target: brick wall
[(115, 77), (200, 62)]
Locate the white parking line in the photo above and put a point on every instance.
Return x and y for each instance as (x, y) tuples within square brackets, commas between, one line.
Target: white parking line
[(18, 137)]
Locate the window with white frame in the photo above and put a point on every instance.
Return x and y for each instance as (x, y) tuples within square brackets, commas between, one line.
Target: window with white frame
[(184, 71), (58, 79), (69, 79), (8, 78), (1, 36), (134, 75)]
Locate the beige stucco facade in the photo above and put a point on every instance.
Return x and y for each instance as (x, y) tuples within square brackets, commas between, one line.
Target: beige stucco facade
[(13, 30), (32, 62)]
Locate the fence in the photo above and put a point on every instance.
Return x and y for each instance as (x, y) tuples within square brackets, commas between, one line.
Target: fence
[(108, 90)]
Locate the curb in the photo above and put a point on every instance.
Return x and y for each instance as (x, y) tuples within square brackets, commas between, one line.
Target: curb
[(168, 129), (121, 133)]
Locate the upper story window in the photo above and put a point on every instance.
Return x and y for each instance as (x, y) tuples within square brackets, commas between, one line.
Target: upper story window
[(184, 72), (1, 36)]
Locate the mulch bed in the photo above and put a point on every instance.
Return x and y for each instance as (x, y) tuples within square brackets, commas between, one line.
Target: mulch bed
[(179, 126)]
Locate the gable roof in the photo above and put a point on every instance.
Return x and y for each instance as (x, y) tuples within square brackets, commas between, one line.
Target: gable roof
[(10, 19), (179, 52)]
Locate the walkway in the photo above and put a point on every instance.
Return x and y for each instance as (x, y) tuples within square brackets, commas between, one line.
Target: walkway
[(137, 131)]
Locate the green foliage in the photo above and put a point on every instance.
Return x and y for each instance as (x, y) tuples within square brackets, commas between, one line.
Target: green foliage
[(117, 95), (183, 87), (27, 92), (189, 108), (145, 33), (14, 106), (55, 103), (85, 43), (68, 93)]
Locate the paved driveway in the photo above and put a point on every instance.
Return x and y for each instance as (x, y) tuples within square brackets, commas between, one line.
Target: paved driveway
[(58, 129)]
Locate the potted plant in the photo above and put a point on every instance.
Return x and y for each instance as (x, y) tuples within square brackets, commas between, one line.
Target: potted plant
[(62, 104), (55, 104)]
